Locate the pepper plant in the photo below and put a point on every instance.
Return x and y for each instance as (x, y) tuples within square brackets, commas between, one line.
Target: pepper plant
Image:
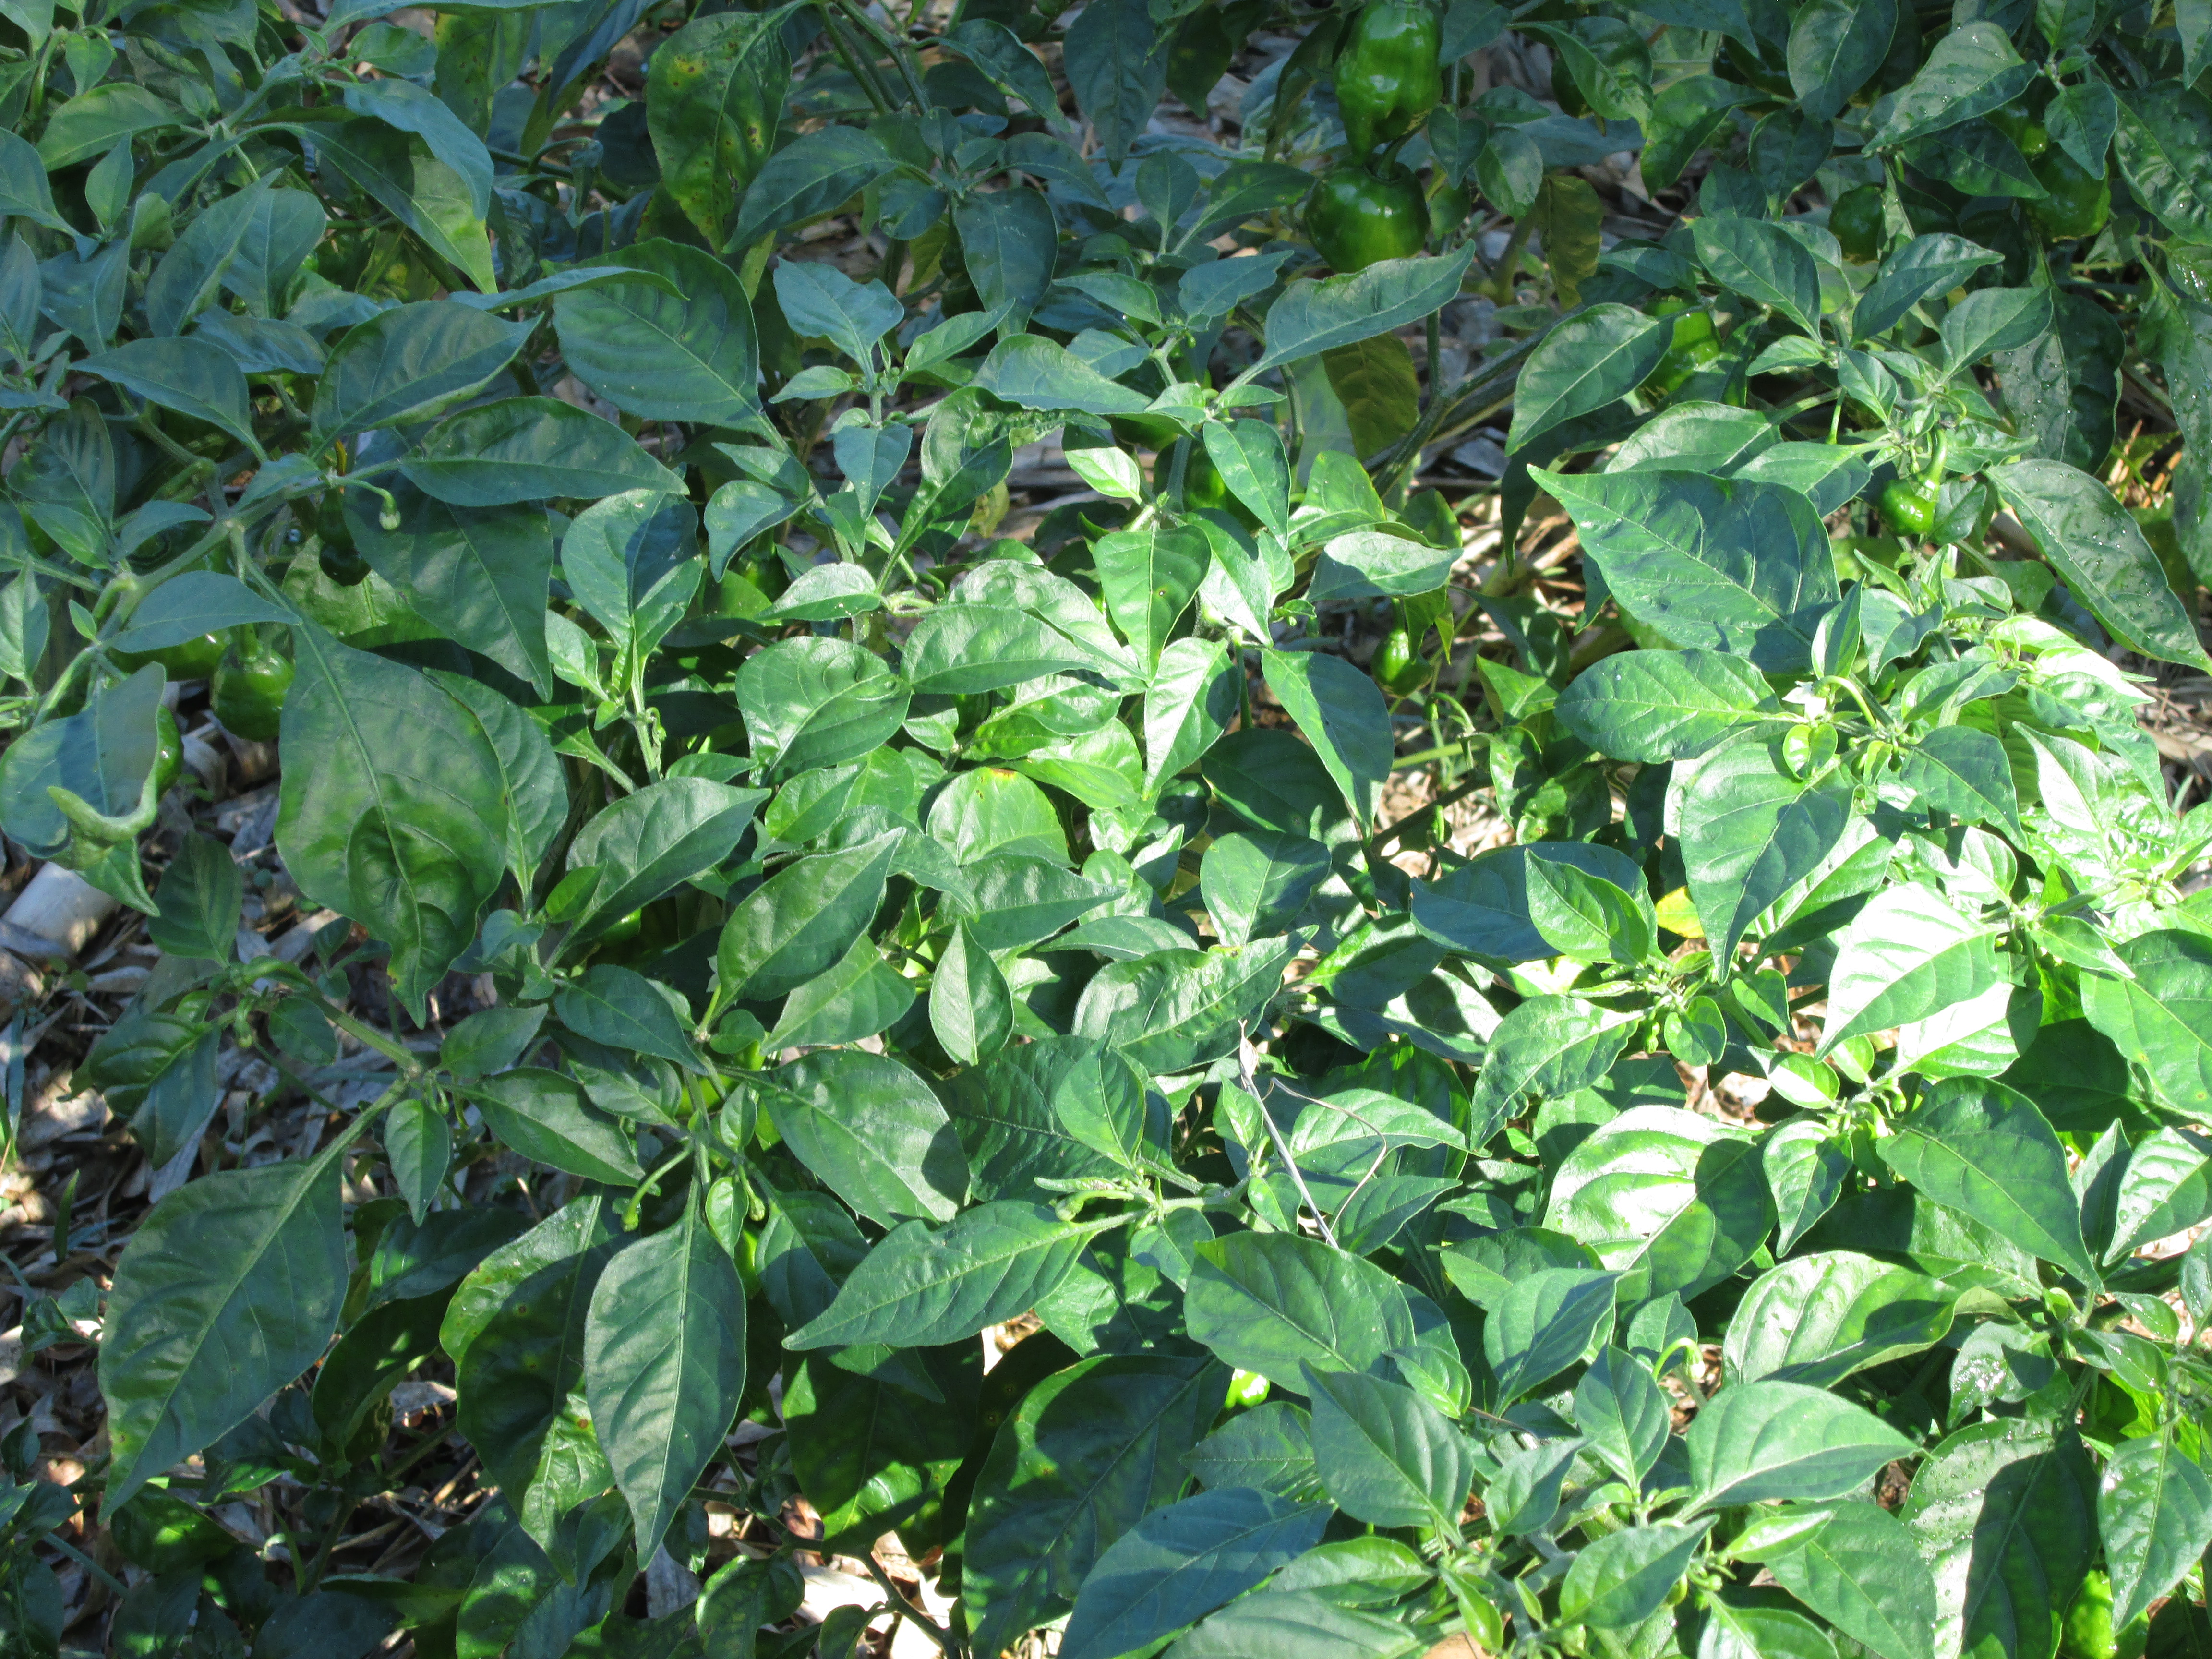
[(968, 1079)]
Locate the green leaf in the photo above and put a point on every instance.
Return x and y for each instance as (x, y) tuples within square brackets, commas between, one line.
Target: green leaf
[(1686, 116), (1367, 564), (99, 118), (478, 574), (525, 449), (1178, 1563), (1993, 320), (664, 1366), (2162, 1018), (957, 650), (1907, 955), (1089, 1451), (1249, 456), (1985, 1149), (1375, 382), (1544, 1323), (714, 93), (200, 381), (860, 995), (1756, 831), (2154, 1514), (2005, 1514), (1546, 1046), (921, 1288), (188, 605), (1271, 1302), (1117, 61), (1191, 701), (189, 276), (1385, 1455), (650, 842), (537, 793), (389, 801), (1175, 1009), (872, 1131), (1673, 1200), (200, 897), (1301, 1623), (1584, 364), (1858, 1569), (2096, 545), (229, 1290), (816, 702), (689, 355), (1256, 883), (1589, 919), (970, 1010), (1623, 1413), (1149, 578), (1652, 706), (1342, 714), (2161, 145), (409, 364), (1819, 1318), (2166, 1190), (1033, 372), (1010, 241), (1968, 72), (407, 176), (1962, 771), (1738, 566), (815, 174), (1312, 317), (800, 921), (1623, 1578), (1835, 47), (873, 1455), (24, 192), (1761, 1440), (1269, 1448), (1925, 266), (1764, 263), (546, 1117)]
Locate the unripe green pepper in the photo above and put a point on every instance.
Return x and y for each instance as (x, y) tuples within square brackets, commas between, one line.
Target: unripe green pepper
[(1388, 78), (1912, 506), (168, 752), (1398, 668), (2079, 203), (2088, 1633), (1856, 220), (1693, 346), (247, 693), (340, 560), (1565, 93), (1356, 218), (2028, 135)]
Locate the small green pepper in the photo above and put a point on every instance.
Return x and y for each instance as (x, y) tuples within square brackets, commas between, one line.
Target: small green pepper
[(2028, 135), (2079, 203), (340, 560), (247, 693), (1398, 668), (1388, 75), (1912, 506), (1565, 91), (1693, 346), (1855, 219), (1356, 218), (168, 752), (2088, 1633)]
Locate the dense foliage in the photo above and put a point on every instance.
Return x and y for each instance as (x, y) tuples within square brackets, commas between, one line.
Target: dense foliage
[(899, 935)]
